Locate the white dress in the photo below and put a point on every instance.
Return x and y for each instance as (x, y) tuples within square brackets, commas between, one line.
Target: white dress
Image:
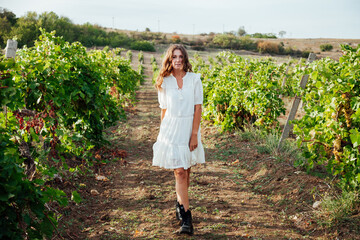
[(171, 149)]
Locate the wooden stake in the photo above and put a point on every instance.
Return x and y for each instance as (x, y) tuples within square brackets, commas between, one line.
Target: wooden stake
[(295, 105), (10, 50)]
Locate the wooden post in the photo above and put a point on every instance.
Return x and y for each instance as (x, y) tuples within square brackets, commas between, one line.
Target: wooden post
[(10, 52), (295, 104)]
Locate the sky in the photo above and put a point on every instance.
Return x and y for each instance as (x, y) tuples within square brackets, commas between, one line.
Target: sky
[(298, 18)]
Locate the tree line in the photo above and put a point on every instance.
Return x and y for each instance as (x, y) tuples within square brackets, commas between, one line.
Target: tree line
[(26, 30)]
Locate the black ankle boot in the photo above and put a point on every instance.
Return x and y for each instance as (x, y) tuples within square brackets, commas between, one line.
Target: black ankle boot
[(178, 215), (186, 223)]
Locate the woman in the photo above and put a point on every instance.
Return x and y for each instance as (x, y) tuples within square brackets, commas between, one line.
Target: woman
[(178, 145)]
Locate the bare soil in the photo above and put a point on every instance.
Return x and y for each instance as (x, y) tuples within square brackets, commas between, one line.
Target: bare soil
[(238, 194)]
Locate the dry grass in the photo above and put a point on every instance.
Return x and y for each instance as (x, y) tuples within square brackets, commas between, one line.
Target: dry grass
[(313, 44), (268, 47)]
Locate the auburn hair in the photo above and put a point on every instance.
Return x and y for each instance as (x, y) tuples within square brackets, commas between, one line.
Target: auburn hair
[(167, 68)]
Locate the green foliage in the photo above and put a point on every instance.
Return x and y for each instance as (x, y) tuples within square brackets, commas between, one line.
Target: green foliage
[(251, 133), (75, 196), (68, 89), (113, 39), (155, 69), (241, 31), (8, 90), (282, 33), (73, 81), (27, 31), (118, 51), (141, 70), (238, 91), (326, 47), (7, 21), (329, 130), (246, 43), (263, 35), (335, 210), (269, 144), (155, 75), (142, 46), (230, 41), (129, 55), (22, 202), (63, 26), (141, 57), (64, 94), (10, 16), (152, 59), (154, 64), (224, 41), (293, 76)]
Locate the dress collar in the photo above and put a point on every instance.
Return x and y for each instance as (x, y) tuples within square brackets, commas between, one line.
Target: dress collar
[(186, 73)]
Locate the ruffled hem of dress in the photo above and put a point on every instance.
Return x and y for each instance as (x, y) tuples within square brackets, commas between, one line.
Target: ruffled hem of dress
[(171, 156)]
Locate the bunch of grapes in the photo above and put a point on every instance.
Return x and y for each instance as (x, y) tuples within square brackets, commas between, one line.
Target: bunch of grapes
[(32, 120)]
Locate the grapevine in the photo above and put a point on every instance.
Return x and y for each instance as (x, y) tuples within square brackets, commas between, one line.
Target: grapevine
[(329, 131), (58, 100), (239, 91)]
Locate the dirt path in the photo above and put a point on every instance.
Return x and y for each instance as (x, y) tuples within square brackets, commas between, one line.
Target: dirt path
[(138, 200)]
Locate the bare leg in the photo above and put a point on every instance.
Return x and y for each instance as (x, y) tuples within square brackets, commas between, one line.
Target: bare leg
[(181, 187), (188, 178)]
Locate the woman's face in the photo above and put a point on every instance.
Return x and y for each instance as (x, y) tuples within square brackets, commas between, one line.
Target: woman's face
[(177, 61)]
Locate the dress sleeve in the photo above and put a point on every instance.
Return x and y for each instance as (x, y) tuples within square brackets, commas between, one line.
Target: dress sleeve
[(198, 91), (162, 96)]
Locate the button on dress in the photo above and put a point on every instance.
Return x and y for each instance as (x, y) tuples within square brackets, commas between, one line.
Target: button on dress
[(171, 149)]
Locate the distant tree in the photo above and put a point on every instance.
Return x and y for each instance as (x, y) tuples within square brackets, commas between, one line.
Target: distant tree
[(64, 27), (241, 31), (26, 29), (229, 41), (282, 34), (225, 41), (7, 21), (263, 35), (5, 29), (231, 33), (10, 16), (147, 29), (48, 21)]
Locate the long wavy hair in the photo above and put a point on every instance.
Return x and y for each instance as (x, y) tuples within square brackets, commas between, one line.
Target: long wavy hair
[(167, 68)]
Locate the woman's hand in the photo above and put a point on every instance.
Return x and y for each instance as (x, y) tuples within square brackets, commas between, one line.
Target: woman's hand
[(195, 128), (162, 115), (193, 142)]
